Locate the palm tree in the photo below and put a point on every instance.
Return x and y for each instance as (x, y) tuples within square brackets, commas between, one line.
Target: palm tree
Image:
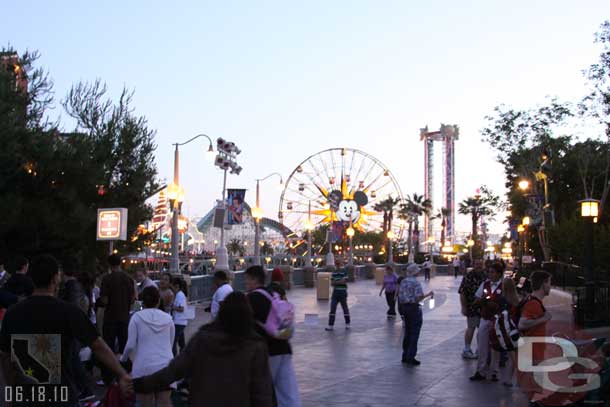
[(444, 213), (407, 214), (419, 206), (484, 203), (387, 207), (235, 247)]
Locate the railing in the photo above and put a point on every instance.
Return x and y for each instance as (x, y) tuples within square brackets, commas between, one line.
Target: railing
[(595, 312), (563, 275)]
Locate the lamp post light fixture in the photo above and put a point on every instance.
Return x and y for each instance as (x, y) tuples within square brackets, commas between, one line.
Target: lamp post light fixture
[(257, 214), (350, 234), (175, 193), (526, 221), (309, 227), (520, 233), (430, 241), (589, 211), (524, 185), (390, 236), (470, 244)]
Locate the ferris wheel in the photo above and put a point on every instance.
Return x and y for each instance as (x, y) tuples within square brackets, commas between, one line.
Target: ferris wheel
[(340, 187)]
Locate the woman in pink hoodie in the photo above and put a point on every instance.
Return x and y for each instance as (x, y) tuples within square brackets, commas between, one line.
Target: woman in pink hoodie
[(149, 345)]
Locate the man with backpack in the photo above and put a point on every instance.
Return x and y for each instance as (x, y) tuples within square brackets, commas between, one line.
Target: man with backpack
[(269, 310), (532, 323), (490, 299)]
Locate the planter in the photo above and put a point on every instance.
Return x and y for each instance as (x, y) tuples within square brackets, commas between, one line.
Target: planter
[(308, 277), (369, 269), (351, 273)]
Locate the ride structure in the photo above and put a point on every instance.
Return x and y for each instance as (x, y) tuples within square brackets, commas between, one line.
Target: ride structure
[(447, 134)]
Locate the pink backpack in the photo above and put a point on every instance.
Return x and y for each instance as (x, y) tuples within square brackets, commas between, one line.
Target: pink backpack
[(280, 320)]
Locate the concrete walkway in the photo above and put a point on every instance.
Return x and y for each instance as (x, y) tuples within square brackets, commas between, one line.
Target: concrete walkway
[(361, 367)]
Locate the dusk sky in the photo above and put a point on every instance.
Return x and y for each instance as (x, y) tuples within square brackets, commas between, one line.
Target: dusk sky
[(284, 80)]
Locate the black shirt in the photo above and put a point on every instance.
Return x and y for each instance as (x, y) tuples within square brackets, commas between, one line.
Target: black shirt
[(119, 289), (261, 307), (20, 285), (44, 323)]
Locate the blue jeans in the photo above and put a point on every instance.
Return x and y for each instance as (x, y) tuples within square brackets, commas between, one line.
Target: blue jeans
[(413, 322), (284, 381), (178, 338), (338, 297)]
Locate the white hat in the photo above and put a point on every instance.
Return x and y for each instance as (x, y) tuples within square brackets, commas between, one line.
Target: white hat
[(412, 270)]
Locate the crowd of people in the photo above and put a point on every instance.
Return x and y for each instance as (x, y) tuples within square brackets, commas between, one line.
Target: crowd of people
[(134, 330)]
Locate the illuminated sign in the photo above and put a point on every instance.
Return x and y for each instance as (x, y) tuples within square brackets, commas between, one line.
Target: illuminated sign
[(112, 224)]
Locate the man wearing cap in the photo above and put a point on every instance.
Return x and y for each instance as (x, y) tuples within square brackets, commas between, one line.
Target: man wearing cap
[(410, 294)]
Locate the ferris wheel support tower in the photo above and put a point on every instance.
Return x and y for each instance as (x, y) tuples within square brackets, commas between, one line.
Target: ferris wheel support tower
[(447, 135)]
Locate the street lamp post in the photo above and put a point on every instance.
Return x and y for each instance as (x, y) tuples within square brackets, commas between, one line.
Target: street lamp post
[(309, 227), (470, 244), (390, 236), (520, 232), (225, 160), (350, 233), (257, 214), (175, 193), (589, 210)]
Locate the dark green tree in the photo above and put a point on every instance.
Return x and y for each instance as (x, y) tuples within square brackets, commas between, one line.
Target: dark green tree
[(51, 182)]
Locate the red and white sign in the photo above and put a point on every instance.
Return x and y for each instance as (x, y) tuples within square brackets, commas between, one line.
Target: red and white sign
[(112, 224)]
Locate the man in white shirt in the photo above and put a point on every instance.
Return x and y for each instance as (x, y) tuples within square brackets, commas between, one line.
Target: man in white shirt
[(223, 289)]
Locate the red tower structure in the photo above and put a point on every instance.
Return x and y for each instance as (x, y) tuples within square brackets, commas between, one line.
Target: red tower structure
[(447, 135), (11, 63)]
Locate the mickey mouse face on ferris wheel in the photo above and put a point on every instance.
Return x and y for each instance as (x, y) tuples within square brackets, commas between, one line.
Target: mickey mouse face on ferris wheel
[(349, 209)]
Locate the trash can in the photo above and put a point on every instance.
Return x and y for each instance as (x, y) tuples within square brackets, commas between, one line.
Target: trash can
[(323, 287), (379, 272)]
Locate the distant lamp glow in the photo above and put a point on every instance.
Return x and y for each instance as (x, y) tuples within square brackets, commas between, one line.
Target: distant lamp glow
[(526, 220), (391, 235), (524, 184), (520, 228), (350, 232), (308, 225), (470, 243), (257, 213), (589, 208), (175, 193), (464, 250), (447, 249)]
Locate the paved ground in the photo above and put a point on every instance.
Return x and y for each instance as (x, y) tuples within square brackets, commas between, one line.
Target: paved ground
[(361, 367)]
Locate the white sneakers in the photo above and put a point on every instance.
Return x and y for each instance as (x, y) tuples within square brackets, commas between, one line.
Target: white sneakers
[(468, 354)]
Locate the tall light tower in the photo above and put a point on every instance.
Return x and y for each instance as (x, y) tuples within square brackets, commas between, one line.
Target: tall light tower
[(447, 135)]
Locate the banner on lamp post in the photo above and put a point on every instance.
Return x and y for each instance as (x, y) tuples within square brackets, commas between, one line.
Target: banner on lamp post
[(235, 206), (112, 224)]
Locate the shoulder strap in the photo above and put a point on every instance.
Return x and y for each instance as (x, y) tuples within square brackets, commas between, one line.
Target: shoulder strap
[(264, 293)]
